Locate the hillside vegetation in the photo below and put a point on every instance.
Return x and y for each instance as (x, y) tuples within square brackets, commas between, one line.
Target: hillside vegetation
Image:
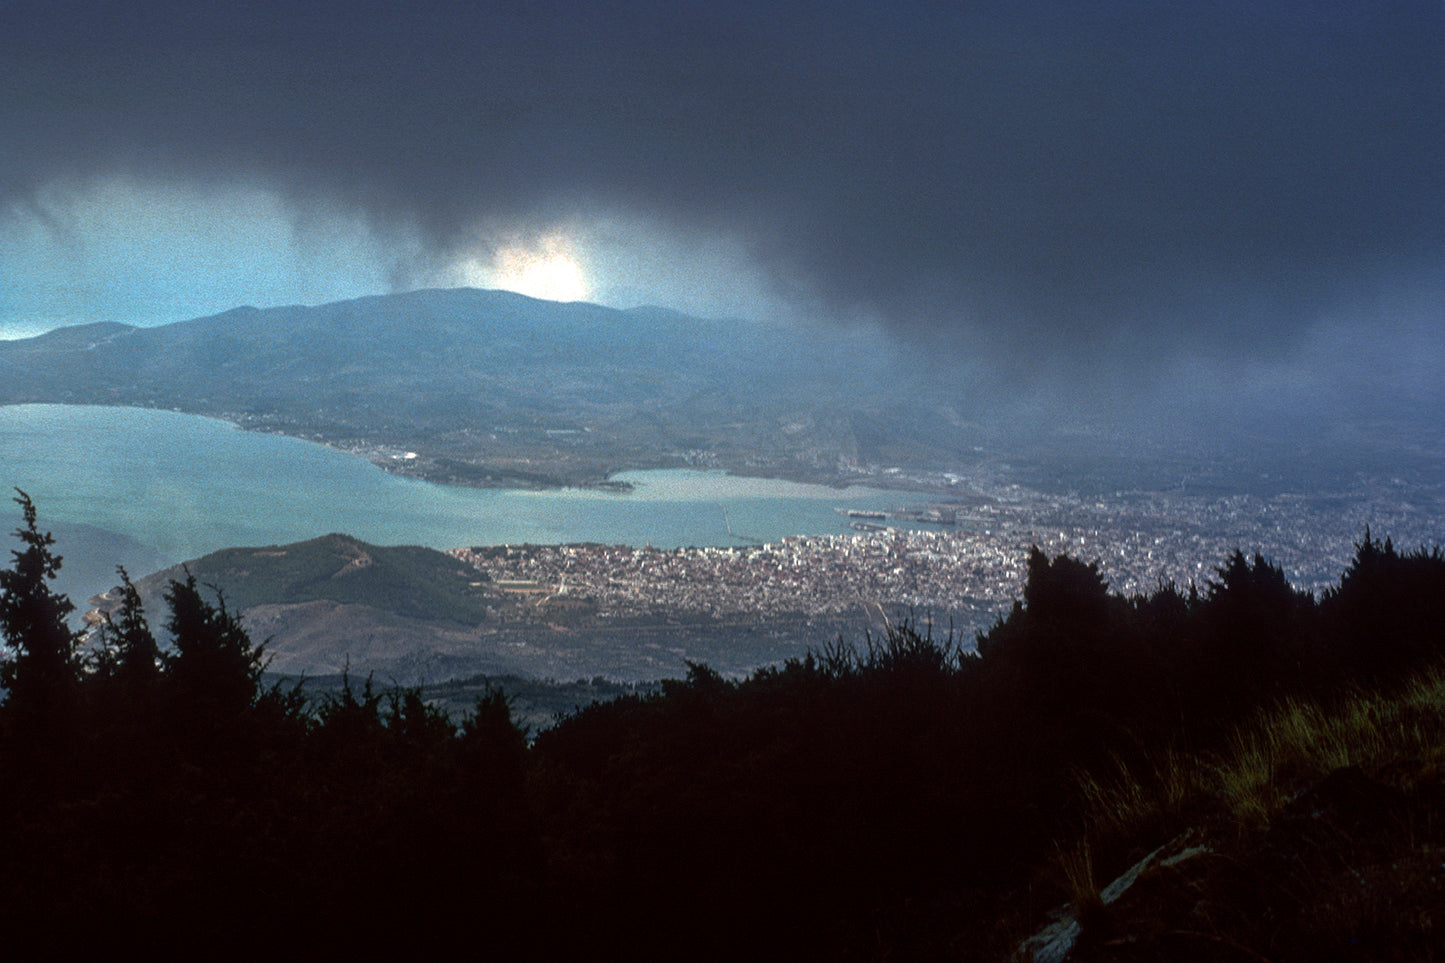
[(405, 580), (1237, 771), (414, 615), (494, 388)]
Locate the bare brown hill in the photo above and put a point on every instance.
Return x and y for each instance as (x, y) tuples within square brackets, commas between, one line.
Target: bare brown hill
[(413, 615)]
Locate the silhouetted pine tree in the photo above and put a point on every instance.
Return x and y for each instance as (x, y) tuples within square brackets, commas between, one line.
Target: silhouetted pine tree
[(1388, 613), (1261, 633), (215, 671), (129, 646), (43, 674)]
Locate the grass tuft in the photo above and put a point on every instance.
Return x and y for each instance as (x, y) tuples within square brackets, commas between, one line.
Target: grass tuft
[(1267, 760), (1076, 864)]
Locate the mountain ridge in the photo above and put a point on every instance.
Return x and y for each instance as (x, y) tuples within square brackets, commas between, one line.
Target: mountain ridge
[(493, 387)]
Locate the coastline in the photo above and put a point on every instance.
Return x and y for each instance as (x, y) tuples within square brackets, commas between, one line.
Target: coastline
[(412, 459)]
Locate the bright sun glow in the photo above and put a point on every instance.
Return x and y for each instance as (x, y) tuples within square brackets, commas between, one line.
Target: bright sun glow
[(546, 270)]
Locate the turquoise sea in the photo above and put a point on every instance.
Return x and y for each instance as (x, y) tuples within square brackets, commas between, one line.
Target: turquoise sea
[(181, 486)]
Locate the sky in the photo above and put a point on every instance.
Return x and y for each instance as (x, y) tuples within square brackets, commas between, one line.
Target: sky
[(1122, 203)]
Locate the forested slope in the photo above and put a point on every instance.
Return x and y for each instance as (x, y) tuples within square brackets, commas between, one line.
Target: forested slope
[(901, 797)]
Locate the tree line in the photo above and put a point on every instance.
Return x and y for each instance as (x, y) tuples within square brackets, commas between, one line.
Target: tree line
[(895, 796)]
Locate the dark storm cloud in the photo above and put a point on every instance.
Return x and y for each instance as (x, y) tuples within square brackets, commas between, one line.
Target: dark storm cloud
[(1036, 180)]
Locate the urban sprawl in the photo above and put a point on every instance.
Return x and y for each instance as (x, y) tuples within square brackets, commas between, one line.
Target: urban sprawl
[(967, 572)]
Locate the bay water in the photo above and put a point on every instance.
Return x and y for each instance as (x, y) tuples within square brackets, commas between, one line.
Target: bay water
[(169, 487)]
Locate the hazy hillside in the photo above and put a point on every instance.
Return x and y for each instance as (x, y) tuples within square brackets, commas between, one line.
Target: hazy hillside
[(406, 580), (335, 600), (414, 615), (491, 387)]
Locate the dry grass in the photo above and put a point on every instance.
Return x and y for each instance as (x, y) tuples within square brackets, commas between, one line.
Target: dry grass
[(1076, 864), (1123, 802), (1268, 759), (1331, 881), (1299, 741)]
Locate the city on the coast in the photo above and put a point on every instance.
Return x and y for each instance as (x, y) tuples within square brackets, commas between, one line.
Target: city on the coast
[(964, 571)]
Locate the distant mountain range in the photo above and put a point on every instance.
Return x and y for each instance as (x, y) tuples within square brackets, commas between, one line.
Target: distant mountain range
[(491, 387)]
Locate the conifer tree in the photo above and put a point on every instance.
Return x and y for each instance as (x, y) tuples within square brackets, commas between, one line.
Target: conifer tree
[(215, 669), (138, 655), (128, 652), (43, 674)]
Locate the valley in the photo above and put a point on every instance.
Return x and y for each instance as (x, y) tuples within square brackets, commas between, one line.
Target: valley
[(412, 615), (489, 390)]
